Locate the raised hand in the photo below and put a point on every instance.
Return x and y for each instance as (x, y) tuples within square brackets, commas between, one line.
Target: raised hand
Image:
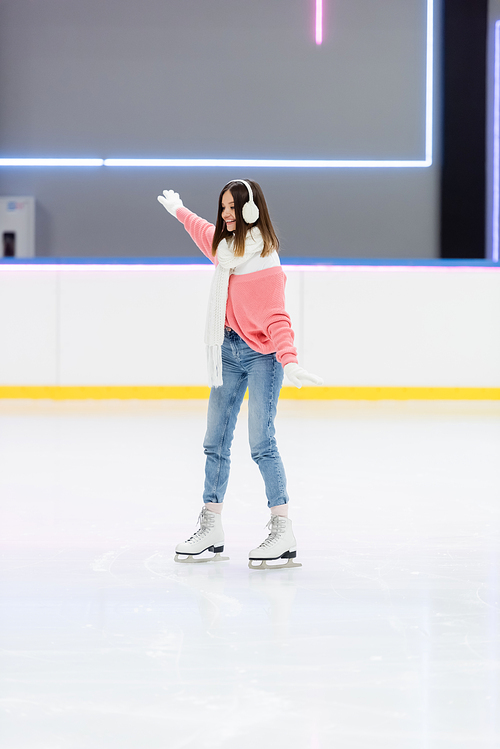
[(171, 201)]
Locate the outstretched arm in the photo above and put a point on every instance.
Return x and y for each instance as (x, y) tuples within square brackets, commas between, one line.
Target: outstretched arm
[(282, 336), (200, 231)]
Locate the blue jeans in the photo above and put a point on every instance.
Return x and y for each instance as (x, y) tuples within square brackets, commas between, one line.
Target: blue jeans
[(263, 374)]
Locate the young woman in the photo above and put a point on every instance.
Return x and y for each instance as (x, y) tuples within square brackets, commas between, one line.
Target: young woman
[(249, 342)]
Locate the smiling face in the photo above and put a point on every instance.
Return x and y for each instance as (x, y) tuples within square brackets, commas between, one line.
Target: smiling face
[(228, 214)]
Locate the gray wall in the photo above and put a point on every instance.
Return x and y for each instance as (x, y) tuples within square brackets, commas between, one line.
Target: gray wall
[(218, 78)]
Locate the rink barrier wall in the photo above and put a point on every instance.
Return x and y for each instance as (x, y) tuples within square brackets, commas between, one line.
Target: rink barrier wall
[(182, 392), (130, 331)]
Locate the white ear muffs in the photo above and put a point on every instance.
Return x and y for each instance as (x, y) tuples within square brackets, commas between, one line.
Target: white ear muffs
[(250, 212)]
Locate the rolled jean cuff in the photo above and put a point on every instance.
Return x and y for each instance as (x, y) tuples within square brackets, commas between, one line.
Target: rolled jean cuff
[(277, 502)]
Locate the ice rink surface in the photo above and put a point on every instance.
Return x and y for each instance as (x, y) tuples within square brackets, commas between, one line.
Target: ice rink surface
[(388, 637)]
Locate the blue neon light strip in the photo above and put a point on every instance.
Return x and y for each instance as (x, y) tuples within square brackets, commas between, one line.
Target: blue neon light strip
[(293, 163), (276, 163), (429, 84), (495, 253), (51, 162), (309, 262)]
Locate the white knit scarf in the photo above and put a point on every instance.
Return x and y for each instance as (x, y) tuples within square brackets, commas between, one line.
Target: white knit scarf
[(216, 313)]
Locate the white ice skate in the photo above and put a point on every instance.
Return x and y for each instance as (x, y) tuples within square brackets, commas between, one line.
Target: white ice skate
[(280, 544), (210, 537)]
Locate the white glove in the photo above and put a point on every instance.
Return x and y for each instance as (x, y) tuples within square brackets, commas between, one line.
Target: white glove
[(171, 201), (299, 376)]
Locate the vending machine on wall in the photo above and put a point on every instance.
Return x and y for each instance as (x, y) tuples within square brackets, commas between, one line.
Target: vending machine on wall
[(17, 226)]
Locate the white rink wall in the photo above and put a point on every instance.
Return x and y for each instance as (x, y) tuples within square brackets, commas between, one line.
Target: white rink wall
[(143, 325)]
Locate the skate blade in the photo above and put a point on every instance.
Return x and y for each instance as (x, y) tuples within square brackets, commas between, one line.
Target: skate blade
[(190, 559), (263, 565)]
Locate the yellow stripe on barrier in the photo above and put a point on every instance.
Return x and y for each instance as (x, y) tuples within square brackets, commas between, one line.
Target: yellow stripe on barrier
[(103, 392), (190, 392), (390, 393)]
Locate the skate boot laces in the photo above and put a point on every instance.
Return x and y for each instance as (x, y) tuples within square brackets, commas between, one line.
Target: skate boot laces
[(205, 522), (275, 532)]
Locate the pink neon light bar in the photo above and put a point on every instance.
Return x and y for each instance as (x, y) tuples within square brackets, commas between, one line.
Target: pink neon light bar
[(319, 21)]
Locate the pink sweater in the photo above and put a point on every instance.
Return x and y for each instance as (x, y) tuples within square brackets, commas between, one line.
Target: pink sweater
[(255, 307)]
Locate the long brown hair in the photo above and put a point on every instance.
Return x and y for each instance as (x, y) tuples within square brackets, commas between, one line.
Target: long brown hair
[(240, 197)]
